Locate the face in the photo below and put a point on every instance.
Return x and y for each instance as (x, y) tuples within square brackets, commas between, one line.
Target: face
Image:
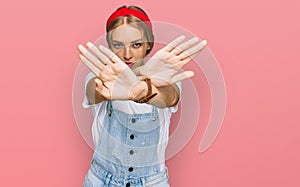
[(129, 45)]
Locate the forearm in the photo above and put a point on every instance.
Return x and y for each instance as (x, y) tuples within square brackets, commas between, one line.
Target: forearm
[(167, 96)]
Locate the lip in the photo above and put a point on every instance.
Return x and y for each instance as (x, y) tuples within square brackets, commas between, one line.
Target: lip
[(129, 64)]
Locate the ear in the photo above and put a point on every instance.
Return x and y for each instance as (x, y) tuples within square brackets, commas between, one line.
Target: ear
[(148, 46)]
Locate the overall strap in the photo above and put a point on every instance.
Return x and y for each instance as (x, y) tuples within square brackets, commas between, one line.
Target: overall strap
[(109, 108), (154, 113)]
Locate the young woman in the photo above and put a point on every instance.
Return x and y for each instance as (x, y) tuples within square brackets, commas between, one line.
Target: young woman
[(133, 101)]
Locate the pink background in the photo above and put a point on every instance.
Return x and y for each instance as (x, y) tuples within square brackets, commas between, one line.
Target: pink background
[(255, 42)]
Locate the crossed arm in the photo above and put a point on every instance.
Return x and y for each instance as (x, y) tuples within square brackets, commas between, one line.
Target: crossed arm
[(116, 81), (167, 96)]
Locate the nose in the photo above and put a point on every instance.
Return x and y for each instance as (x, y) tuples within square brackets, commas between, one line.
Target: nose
[(127, 54)]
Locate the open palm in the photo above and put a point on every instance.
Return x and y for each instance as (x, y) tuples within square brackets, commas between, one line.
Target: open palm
[(115, 80), (165, 66)]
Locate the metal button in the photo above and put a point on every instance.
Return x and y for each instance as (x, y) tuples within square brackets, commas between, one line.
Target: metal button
[(130, 169), (131, 152), (153, 118), (127, 184), (133, 120), (132, 136)]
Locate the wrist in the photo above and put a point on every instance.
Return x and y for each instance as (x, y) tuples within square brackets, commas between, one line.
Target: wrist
[(138, 91), (149, 95)]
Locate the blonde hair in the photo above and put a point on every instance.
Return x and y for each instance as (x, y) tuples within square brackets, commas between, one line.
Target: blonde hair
[(133, 21)]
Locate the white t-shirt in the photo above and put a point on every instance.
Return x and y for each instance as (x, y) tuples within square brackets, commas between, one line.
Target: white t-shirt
[(129, 107)]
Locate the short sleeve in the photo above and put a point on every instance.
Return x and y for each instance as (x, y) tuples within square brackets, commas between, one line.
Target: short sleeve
[(175, 108), (85, 103), (98, 111)]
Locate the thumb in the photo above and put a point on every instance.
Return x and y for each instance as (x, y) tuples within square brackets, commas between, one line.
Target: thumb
[(182, 76), (99, 85)]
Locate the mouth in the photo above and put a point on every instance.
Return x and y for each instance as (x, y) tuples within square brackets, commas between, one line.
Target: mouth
[(130, 64)]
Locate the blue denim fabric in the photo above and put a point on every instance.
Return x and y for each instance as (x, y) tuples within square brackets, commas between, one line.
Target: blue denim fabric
[(127, 152)]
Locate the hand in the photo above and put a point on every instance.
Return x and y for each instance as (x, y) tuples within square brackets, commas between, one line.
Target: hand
[(115, 80), (163, 68)]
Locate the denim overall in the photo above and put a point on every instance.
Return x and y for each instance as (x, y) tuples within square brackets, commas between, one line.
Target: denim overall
[(128, 153)]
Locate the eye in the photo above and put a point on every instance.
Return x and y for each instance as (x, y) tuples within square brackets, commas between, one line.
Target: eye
[(137, 45), (117, 45)]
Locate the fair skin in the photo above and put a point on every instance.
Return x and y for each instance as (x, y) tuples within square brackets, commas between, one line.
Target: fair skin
[(115, 69)]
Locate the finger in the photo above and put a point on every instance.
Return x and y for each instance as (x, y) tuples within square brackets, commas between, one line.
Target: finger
[(99, 54), (106, 91), (179, 63), (188, 59), (194, 50), (90, 65), (185, 61), (109, 55), (107, 77), (173, 43), (90, 57), (109, 69), (103, 90), (184, 46), (181, 76), (99, 85)]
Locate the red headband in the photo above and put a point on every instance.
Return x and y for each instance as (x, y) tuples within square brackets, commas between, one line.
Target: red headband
[(125, 12)]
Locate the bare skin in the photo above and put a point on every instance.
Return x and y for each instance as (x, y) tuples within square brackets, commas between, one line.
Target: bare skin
[(117, 70)]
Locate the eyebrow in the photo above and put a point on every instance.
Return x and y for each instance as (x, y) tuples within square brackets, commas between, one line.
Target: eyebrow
[(131, 42)]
